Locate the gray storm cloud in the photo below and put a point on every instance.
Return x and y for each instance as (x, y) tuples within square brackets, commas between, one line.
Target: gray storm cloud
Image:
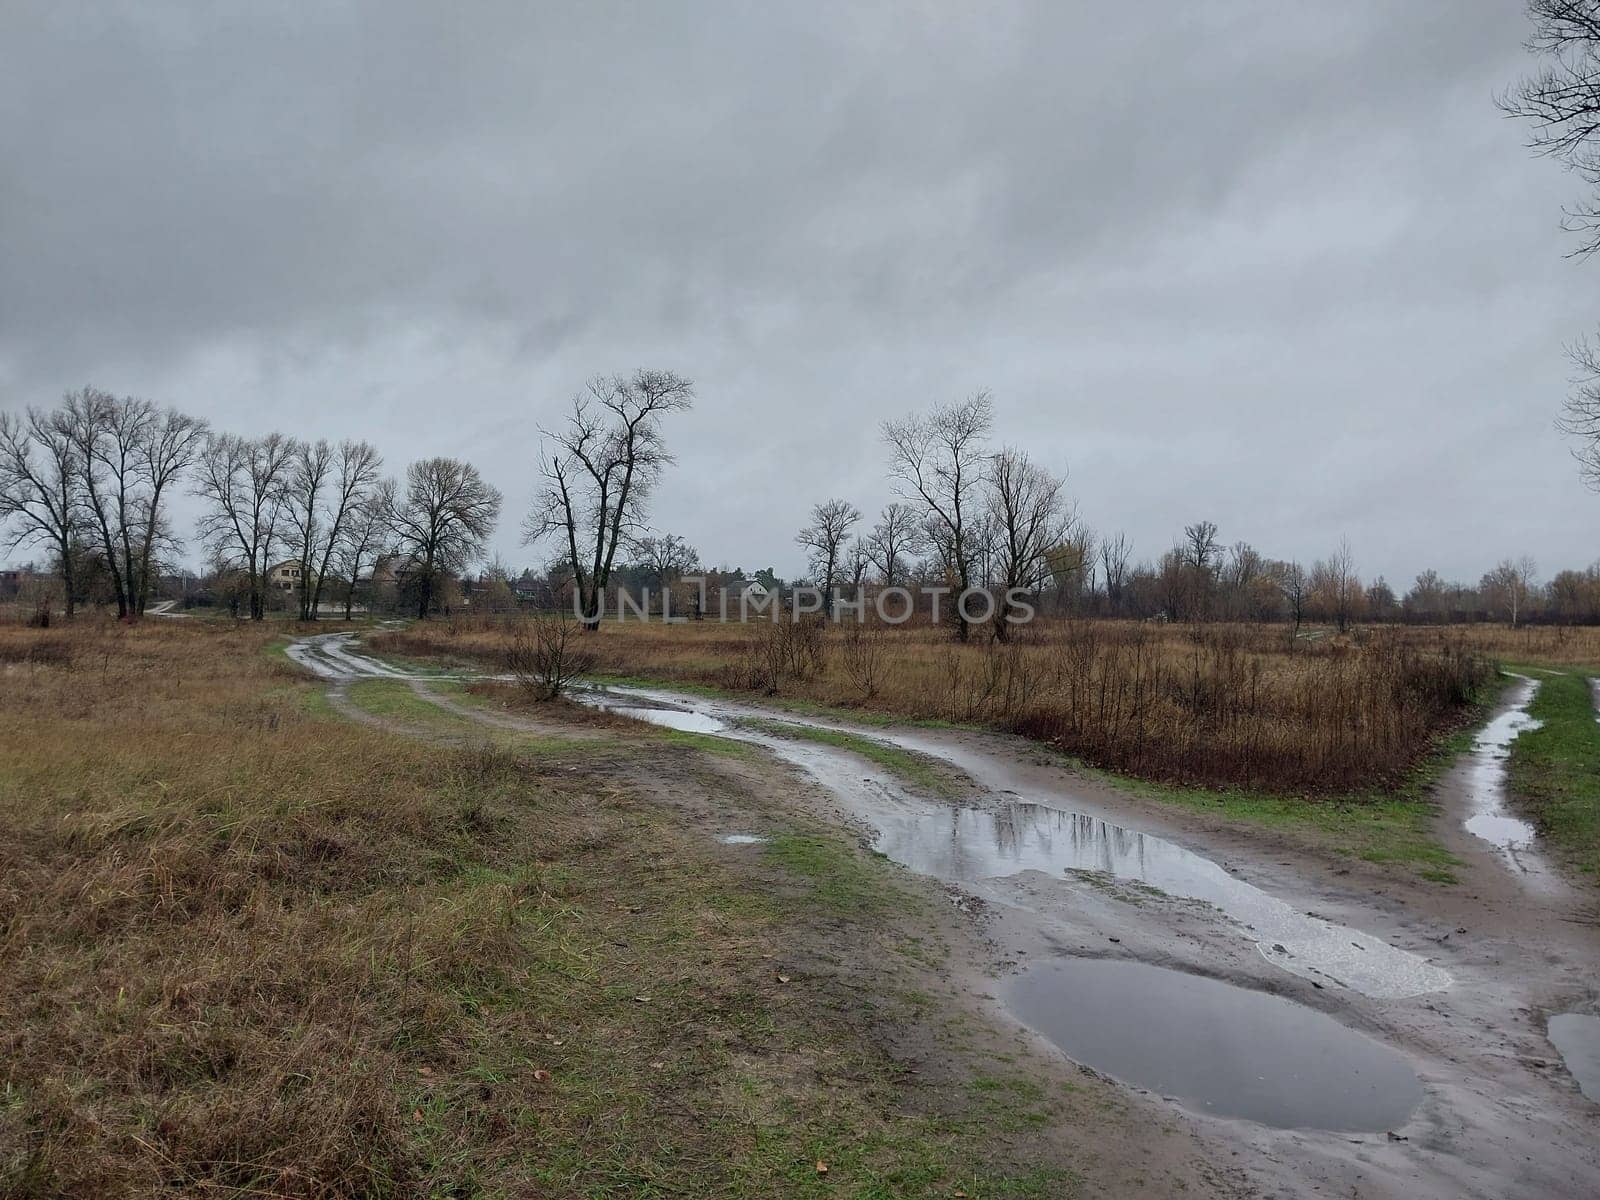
[(1285, 268)]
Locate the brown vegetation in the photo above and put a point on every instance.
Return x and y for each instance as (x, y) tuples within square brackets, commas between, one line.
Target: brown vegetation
[(1215, 705), (254, 950)]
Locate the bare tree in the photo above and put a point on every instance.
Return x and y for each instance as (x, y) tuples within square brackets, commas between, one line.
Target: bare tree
[(824, 541), (1580, 413), (667, 557), (313, 463), (1562, 100), (938, 461), (441, 522), (1345, 585), (327, 486), (1115, 552), (1240, 574), (857, 562), (129, 454), (1030, 510), (361, 540), (245, 483), (1508, 586), (39, 490), (893, 542), (1291, 580), (599, 471), (171, 444), (1201, 551), (1072, 565)]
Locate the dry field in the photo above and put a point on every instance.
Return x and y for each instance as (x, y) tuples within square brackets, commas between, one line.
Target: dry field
[(254, 950), (1211, 705)]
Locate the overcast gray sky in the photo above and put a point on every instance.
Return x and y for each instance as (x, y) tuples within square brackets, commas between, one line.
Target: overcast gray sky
[(1282, 266)]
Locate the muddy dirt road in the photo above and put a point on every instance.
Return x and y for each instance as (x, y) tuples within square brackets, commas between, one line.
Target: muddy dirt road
[(1334, 1029)]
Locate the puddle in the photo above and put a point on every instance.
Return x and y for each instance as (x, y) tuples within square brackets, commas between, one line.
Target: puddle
[(672, 718), (1218, 1049), (969, 845), (742, 839), (1486, 783), (1577, 1037)]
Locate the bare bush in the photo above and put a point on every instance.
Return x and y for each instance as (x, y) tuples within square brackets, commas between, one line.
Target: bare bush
[(785, 650), (863, 660), (547, 654)]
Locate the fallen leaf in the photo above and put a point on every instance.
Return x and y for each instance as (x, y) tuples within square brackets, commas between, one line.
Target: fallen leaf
[(542, 1075), (642, 999), (822, 1167), (416, 1115), (783, 979)]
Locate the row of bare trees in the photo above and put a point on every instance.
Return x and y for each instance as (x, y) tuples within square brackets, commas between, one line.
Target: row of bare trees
[(968, 517), (94, 477), (92, 481)]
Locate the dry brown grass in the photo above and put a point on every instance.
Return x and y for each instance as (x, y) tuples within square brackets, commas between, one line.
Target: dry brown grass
[(251, 950), (1213, 705)]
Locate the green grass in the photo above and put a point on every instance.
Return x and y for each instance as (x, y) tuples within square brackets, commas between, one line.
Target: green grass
[(917, 770), (1554, 772), (842, 879), (393, 698)]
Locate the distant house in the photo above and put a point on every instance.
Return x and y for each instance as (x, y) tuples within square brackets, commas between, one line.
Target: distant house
[(285, 576)]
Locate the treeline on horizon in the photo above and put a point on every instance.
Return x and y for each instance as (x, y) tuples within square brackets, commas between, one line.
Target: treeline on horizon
[(90, 485)]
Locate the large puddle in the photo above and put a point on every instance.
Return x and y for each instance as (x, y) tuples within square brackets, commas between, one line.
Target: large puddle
[(967, 845), (1577, 1037), (1486, 783), (1220, 1049), (970, 845)]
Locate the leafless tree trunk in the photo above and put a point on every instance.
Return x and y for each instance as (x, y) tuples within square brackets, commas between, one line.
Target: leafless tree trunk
[(39, 490), (442, 521), (1114, 555), (313, 461), (1345, 584), (347, 474), (361, 540), (824, 539), (170, 446), (938, 461), (598, 474), (244, 483), (1030, 511), (1291, 580), (893, 540)]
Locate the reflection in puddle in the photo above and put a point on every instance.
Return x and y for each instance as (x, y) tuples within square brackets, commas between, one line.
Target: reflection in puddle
[(970, 845), (1577, 1037), (742, 839), (1216, 1048), (1486, 782), (682, 719)]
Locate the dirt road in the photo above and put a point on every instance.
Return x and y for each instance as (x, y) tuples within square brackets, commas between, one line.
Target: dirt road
[(1382, 984)]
